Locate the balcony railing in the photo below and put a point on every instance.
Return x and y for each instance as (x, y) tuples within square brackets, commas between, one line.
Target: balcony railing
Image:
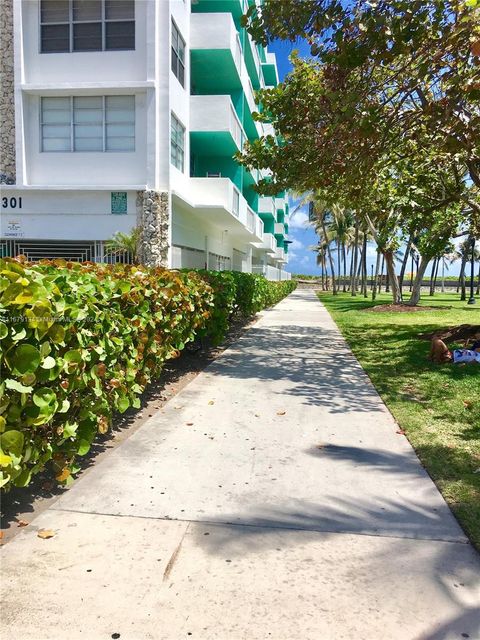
[(271, 273), (259, 227), (238, 54), (216, 113), (222, 200), (266, 205), (236, 202), (251, 220), (238, 133), (256, 57), (270, 244)]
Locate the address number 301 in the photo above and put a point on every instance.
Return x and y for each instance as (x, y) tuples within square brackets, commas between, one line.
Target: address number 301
[(11, 203)]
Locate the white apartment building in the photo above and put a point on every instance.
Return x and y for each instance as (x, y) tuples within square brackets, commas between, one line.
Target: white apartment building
[(118, 114)]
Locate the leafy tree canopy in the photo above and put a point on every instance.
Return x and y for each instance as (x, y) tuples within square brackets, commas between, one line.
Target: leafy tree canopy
[(394, 87)]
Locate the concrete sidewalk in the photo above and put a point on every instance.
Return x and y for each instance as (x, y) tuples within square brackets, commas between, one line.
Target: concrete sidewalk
[(271, 498)]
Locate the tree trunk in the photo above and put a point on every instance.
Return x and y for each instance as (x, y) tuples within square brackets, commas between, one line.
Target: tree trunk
[(436, 275), (364, 267), (432, 276), (351, 272), (344, 268), (462, 272), (353, 283), (392, 277), (330, 258), (380, 282), (360, 266), (417, 284), (462, 279), (404, 262), (478, 281), (375, 281), (339, 256)]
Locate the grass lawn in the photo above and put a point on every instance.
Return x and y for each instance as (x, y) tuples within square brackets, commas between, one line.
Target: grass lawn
[(438, 406)]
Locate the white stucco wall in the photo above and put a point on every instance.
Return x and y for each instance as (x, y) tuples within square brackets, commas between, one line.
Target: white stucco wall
[(84, 168), (57, 68), (64, 215)]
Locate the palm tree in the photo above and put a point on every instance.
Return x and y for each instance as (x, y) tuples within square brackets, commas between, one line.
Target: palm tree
[(322, 213), (125, 245), (341, 231), (322, 217), (321, 250), (463, 253)]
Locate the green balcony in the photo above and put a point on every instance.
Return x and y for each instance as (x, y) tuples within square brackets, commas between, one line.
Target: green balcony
[(279, 231), (266, 210), (236, 7), (270, 74), (215, 129), (215, 54), (252, 60)]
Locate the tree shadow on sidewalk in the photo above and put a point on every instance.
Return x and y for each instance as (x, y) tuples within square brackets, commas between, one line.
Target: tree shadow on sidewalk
[(384, 518), (315, 364), (399, 464), (400, 547)]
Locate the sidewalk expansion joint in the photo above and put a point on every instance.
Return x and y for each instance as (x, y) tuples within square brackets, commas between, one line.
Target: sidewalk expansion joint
[(229, 523)]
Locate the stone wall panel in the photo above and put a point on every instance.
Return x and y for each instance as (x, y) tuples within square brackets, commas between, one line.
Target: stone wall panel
[(153, 222), (7, 102)]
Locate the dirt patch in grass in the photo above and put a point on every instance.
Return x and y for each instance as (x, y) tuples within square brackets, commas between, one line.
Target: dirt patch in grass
[(401, 308), (452, 334)]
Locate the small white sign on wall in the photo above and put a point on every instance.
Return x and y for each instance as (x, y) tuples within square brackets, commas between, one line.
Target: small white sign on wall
[(13, 229)]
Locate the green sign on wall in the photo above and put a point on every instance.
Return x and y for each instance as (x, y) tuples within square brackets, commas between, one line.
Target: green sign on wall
[(119, 202)]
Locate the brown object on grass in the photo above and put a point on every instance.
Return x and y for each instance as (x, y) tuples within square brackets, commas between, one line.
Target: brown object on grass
[(439, 352)]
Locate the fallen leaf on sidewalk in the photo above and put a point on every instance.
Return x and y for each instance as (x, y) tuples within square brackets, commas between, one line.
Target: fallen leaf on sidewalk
[(1, 535), (45, 533), (178, 407), (22, 523), (281, 413), (211, 402), (256, 415), (189, 424), (400, 432)]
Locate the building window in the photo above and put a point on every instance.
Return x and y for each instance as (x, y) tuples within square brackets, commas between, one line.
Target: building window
[(86, 25), (88, 123), (178, 55), (177, 151)]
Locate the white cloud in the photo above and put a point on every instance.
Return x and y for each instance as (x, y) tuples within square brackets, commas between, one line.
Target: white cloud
[(298, 220), (296, 244)]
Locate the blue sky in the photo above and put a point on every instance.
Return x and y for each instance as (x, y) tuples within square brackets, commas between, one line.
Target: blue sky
[(301, 258)]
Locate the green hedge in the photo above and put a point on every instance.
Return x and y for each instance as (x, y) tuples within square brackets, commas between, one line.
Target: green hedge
[(80, 342)]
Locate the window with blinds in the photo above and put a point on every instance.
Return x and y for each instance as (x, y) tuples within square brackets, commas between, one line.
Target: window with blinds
[(178, 55), (86, 25), (177, 144), (88, 123)]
